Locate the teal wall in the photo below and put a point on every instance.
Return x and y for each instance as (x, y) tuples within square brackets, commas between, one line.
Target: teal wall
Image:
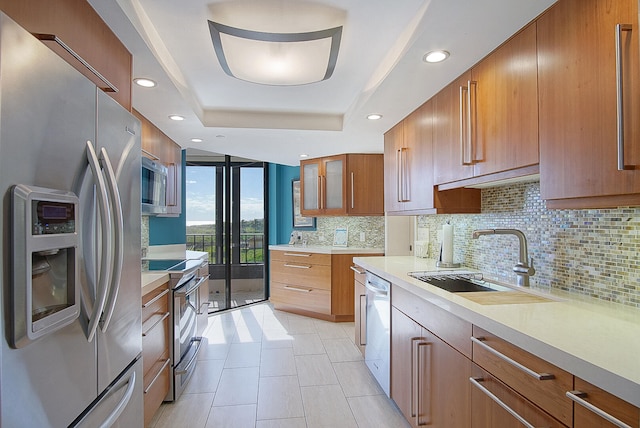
[(170, 230), (280, 202)]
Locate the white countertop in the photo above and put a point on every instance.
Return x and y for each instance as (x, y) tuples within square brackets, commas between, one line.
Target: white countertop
[(595, 340), (327, 249)]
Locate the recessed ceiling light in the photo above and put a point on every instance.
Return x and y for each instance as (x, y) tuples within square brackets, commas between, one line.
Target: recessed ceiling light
[(304, 155), (176, 117), (196, 140), (145, 83), (374, 116), (435, 56)]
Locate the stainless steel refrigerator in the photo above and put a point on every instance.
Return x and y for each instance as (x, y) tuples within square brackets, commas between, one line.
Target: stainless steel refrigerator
[(70, 271)]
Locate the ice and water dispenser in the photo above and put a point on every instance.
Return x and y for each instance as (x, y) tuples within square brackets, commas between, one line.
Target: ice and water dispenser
[(46, 289)]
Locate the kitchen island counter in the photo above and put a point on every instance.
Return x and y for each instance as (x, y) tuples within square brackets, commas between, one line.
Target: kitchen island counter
[(595, 340)]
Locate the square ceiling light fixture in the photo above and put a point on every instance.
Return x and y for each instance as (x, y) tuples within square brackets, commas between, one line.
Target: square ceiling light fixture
[(282, 59)]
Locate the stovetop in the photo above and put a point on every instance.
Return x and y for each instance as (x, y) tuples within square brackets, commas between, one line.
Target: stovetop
[(174, 266)]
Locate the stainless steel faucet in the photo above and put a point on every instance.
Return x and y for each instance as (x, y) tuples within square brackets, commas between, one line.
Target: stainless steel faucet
[(522, 269)]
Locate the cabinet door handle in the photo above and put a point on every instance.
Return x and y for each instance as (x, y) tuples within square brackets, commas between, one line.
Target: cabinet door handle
[(420, 421), (398, 176), (155, 299), (301, 290), (353, 190), (463, 152), (157, 376), (164, 316), (471, 120), (415, 341), (318, 198), (297, 266), (406, 175), (579, 396), (363, 320), (540, 376), (298, 254), (476, 382), (620, 94), (355, 269)]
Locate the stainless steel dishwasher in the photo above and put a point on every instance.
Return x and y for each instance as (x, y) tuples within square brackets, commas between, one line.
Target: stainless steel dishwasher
[(377, 353)]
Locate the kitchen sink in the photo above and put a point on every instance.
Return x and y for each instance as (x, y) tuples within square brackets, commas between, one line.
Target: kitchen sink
[(458, 282)]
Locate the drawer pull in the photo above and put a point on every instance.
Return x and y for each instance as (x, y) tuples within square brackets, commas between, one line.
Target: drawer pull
[(155, 299), (302, 290), (579, 396), (145, 333), (476, 382), (155, 378), (297, 254), (355, 269), (297, 266), (539, 376)]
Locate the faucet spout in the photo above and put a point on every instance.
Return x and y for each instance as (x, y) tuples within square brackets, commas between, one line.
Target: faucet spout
[(522, 269)]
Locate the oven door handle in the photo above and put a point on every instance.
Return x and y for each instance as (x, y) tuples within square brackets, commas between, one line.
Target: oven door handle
[(193, 288), (192, 360)]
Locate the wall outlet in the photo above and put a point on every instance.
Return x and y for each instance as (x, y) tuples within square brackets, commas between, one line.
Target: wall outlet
[(361, 236)]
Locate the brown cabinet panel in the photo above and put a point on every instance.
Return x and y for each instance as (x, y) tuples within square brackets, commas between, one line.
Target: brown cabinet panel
[(619, 409), (393, 144), (365, 173), (577, 90), (156, 388), (304, 274), (487, 413), (301, 257), (286, 296)]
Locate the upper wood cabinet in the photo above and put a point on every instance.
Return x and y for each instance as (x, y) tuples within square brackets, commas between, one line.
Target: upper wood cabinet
[(349, 184), (487, 119), (409, 169), (157, 146), (580, 150), (78, 26)]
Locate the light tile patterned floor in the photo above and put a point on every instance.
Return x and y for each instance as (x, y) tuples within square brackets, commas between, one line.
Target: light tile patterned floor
[(262, 368)]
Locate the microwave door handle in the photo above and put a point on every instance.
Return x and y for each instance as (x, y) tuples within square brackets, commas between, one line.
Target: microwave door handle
[(105, 274), (118, 245)]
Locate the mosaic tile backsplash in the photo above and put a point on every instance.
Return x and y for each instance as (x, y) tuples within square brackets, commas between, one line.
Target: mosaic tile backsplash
[(589, 252), (372, 227)]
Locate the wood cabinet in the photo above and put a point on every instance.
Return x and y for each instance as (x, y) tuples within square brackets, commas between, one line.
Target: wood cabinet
[(595, 408), (429, 378), (409, 166), (580, 148), (157, 146), (539, 381), (487, 119), (313, 284), (77, 25), (360, 308), (349, 184), (156, 361)]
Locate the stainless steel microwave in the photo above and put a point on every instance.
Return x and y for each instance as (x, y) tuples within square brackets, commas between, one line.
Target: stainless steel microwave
[(154, 187)]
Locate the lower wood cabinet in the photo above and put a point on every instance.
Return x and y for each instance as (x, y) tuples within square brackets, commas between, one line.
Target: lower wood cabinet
[(595, 408), (315, 284), (429, 378), (156, 362)]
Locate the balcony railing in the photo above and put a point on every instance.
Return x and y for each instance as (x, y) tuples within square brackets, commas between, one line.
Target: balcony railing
[(251, 247)]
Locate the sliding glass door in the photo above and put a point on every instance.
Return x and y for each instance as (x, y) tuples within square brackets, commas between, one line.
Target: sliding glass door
[(226, 217)]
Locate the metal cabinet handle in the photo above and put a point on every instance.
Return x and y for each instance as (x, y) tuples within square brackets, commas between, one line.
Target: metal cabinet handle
[(463, 158), (302, 290), (421, 383), (363, 320), (164, 316), (353, 191), (415, 341), (297, 266), (398, 176), (155, 299), (476, 382), (298, 254), (539, 376), (406, 176), (355, 269), (620, 94), (157, 376), (577, 396), (471, 120)]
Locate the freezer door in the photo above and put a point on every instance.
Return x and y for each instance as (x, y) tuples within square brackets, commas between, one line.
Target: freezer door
[(47, 115), (120, 406), (120, 332)]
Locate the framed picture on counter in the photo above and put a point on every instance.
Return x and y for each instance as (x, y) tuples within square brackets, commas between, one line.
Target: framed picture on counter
[(300, 222), (340, 237)]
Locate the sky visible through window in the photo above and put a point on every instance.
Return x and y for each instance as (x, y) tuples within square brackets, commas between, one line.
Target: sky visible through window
[(200, 194)]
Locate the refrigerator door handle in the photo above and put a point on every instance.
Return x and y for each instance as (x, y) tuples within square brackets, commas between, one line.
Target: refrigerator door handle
[(118, 246), (119, 408), (102, 287)]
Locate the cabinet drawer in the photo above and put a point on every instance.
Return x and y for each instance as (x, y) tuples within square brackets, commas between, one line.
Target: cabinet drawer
[(489, 397), (301, 273), (154, 302), (300, 257), (302, 297), (156, 387), (518, 369), (603, 402), (446, 326), (155, 340)]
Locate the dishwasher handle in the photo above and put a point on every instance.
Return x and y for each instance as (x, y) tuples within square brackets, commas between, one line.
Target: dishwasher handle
[(377, 285)]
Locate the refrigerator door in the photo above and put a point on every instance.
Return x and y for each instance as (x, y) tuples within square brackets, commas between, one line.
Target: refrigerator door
[(120, 406), (47, 115), (120, 331)]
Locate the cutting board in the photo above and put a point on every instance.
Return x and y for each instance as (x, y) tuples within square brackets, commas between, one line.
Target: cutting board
[(503, 297)]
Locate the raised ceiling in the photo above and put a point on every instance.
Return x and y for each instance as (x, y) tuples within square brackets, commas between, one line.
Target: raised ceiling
[(379, 70)]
